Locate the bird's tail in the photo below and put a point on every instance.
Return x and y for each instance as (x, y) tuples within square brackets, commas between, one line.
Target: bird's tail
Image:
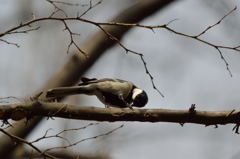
[(65, 91)]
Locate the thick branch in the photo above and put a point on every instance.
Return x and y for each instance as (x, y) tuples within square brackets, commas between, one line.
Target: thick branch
[(18, 112), (67, 155)]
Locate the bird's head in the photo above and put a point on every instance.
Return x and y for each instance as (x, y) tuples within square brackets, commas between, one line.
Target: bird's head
[(139, 98)]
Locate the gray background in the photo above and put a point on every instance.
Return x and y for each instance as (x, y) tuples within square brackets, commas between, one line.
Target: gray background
[(186, 71)]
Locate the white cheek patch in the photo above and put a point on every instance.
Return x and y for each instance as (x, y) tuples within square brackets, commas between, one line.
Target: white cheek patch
[(136, 92)]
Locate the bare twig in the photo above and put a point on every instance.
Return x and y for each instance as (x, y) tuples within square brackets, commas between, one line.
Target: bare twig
[(150, 75), (18, 139), (225, 61), (65, 3), (85, 139), (25, 31), (45, 153), (56, 8), (164, 26), (218, 22), (72, 42), (91, 6), (10, 43), (100, 24), (58, 135), (136, 53)]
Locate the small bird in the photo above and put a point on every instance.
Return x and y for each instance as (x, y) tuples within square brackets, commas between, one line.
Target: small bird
[(111, 92)]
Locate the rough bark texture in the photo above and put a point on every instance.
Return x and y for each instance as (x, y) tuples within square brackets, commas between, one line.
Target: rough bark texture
[(117, 114)]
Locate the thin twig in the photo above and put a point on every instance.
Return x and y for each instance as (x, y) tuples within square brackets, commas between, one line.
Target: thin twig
[(18, 139), (218, 22), (100, 24), (72, 42), (25, 31), (56, 8), (110, 36), (59, 133), (10, 43), (65, 3), (85, 139), (91, 6)]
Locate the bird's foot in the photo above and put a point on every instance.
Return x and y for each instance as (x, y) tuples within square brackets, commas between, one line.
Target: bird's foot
[(106, 106), (129, 106)]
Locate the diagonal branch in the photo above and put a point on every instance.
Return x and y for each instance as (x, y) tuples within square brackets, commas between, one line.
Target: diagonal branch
[(218, 22), (78, 64), (45, 153), (18, 139)]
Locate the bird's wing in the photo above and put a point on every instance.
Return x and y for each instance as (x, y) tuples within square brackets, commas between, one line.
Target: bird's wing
[(110, 85), (115, 86), (64, 91)]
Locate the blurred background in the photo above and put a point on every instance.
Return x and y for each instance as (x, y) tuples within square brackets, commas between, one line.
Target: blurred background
[(185, 70)]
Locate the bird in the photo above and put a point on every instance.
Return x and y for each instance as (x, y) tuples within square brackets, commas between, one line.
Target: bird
[(110, 91)]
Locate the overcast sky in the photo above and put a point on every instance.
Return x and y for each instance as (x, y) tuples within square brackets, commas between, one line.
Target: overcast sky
[(185, 70)]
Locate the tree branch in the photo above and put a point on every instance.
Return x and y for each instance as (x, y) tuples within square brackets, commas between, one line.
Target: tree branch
[(67, 155), (18, 139), (78, 64), (47, 109)]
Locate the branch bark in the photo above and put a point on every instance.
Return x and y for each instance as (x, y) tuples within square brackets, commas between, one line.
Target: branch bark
[(67, 155), (78, 64), (47, 109)]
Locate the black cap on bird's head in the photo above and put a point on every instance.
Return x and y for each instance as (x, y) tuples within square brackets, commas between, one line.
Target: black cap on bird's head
[(139, 98)]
